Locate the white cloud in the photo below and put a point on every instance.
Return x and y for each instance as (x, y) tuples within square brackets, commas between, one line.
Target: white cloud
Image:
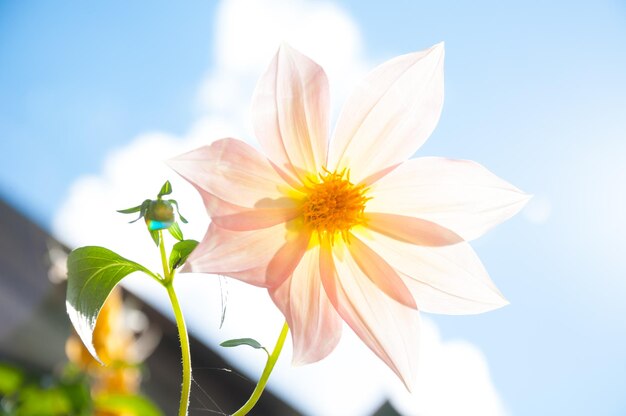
[(248, 35), (351, 380), (453, 379)]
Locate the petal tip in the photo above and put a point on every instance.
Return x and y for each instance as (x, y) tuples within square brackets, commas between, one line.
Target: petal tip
[(523, 200), (408, 385), (500, 303), (439, 46), (438, 49), (408, 381), (298, 362), (284, 46), (287, 49)]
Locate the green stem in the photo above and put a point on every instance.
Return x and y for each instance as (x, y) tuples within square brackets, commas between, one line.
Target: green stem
[(269, 366), (184, 347), (166, 267), (168, 282)]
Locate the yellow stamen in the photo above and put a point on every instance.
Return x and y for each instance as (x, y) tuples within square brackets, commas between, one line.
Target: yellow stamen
[(333, 204)]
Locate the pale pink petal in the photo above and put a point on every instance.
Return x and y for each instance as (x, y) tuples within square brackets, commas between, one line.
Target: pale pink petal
[(253, 219), (234, 172), (237, 218), (287, 258), (314, 324), (447, 280), (379, 272), (263, 257), (387, 327), (390, 115), (459, 195), (411, 230), (290, 113)]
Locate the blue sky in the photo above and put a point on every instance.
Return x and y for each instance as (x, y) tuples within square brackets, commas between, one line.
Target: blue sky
[(534, 91)]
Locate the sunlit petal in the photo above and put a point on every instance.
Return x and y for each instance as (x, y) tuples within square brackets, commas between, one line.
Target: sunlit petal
[(254, 219), (250, 256), (390, 115), (387, 327), (287, 258), (411, 230), (290, 113), (379, 272), (448, 280), (233, 171), (460, 195), (315, 325), (238, 218)]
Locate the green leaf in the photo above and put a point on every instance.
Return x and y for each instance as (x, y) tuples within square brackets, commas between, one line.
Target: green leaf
[(166, 189), (242, 341), (173, 202), (180, 252), (155, 236), (92, 273), (176, 232), (130, 210), (11, 379), (128, 404), (139, 208), (44, 402)]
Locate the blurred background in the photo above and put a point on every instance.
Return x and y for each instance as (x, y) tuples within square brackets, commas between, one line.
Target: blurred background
[(93, 98)]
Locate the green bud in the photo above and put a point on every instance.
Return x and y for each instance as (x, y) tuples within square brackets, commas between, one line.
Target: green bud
[(159, 215)]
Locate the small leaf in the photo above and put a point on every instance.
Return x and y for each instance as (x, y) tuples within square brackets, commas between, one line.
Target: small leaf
[(176, 232), (242, 341), (173, 202), (135, 405), (180, 252), (130, 210), (142, 210), (92, 273), (155, 236), (166, 189)]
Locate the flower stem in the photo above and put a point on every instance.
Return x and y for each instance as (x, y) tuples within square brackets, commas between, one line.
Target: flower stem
[(184, 347), (168, 283), (166, 268), (269, 366)]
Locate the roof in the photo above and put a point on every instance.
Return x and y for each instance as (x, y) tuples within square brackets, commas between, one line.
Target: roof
[(34, 328)]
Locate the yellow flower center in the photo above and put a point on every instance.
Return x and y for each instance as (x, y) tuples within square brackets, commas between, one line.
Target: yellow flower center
[(333, 204)]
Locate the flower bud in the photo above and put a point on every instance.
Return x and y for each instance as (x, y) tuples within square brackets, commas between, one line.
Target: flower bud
[(159, 215)]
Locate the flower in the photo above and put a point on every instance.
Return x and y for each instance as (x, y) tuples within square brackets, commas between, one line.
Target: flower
[(350, 228)]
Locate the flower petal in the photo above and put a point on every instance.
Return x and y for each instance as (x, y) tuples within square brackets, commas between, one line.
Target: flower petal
[(314, 324), (290, 113), (411, 230), (460, 195), (387, 327), (286, 259), (237, 218), (254, 219), (447, 280), (390, 115), (262, 257), (379, 272), (234, 172)]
